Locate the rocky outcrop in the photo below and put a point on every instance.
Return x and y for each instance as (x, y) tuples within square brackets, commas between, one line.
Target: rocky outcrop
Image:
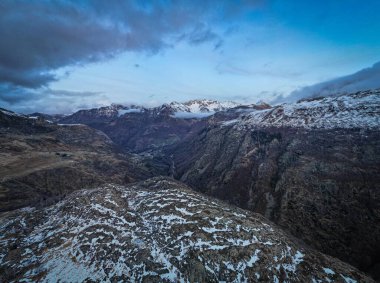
[(155, 231)]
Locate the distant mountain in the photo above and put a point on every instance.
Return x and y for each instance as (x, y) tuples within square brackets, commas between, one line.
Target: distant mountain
[(139, 129), (192, 109), (155, 231), (199, 108), (368, 78), (48, 117), (100, 115), (355, 110)]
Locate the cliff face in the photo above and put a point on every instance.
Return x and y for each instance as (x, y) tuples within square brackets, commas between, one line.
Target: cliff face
[(155, 231), (321, 183)]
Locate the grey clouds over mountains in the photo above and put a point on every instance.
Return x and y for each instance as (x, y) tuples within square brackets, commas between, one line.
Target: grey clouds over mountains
[(37, 38), (368, 78)]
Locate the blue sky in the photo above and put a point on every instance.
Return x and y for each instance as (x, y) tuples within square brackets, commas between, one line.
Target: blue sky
[(60, 56)]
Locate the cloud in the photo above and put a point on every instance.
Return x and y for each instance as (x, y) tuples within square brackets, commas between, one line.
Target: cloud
[(11, 95), (368, 78), (39, 37), (50, 101)]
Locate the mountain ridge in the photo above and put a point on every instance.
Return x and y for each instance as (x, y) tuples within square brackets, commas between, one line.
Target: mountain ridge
[(360, 110), (111, 233)]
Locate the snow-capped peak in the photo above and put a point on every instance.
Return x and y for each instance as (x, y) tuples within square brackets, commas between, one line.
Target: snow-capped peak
[(117, 110), (205, 105), (199, 108)]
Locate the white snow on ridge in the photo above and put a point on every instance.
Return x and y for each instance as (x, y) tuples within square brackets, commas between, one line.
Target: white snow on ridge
[(10, 113), (198, 109), (209, 105), (84, 238), (359, 110)]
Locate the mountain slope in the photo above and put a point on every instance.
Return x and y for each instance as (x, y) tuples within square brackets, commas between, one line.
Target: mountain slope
[(312, 167), (155, 231), (41, 162)]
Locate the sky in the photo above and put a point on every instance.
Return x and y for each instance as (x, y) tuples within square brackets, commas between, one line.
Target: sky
[(62, 56)]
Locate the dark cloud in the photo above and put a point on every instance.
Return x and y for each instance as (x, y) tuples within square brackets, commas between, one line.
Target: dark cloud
[(32, 78), (39, 37), (11, 95), (368, 78)]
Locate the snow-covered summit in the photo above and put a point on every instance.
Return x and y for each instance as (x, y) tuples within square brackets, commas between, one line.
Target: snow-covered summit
[(117, 110), (191, 109), (199, 108), (204, 105), (356, 110)]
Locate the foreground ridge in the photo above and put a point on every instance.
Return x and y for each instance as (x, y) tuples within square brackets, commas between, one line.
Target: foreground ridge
[(155, 231)]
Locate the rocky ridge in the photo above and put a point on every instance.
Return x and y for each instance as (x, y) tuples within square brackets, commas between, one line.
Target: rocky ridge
[(155, 231), (356, 110), (198, 108)]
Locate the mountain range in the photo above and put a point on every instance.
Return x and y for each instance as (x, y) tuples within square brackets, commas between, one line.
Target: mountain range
[(202, 191)]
